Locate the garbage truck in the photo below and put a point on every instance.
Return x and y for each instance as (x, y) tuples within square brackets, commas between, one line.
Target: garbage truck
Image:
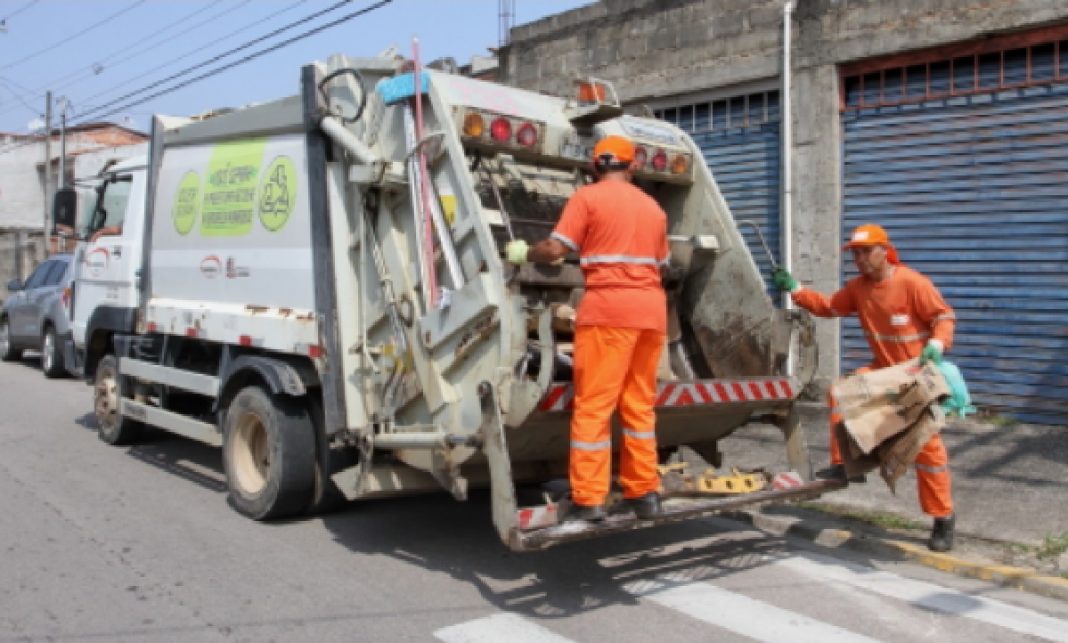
[(317, 285)]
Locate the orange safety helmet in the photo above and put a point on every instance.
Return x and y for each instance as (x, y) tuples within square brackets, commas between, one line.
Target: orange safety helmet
[(613, 152), (870, 234)]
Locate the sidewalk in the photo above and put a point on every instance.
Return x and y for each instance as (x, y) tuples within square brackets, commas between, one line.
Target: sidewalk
[(1010, 489)]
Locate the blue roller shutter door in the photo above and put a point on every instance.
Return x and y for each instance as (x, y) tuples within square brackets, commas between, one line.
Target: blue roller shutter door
[(974, 193)]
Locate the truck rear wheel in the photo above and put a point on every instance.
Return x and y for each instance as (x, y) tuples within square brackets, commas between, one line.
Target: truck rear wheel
[(111, 426), (268, 454)]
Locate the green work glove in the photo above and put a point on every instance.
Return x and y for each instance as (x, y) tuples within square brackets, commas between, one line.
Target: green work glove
[(516, 251), (932, 352), (783, 280)]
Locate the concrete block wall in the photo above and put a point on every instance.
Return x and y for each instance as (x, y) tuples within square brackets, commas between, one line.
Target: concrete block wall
[(656, 49)]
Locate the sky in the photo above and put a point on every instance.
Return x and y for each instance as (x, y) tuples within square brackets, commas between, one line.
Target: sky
[(99, 56)]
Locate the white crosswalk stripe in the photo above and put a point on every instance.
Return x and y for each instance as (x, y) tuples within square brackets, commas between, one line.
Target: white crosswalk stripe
[(928, 595), (499, 627), (738, 613)]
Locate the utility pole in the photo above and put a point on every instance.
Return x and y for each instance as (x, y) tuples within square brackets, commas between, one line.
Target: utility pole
[(48, 194), (63, 104)]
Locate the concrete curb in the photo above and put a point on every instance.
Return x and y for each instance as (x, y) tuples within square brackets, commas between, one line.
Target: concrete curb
[(1017, 577)]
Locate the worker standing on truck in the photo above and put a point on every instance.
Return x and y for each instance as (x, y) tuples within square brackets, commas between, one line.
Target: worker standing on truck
[(620, 233), (904, 317)]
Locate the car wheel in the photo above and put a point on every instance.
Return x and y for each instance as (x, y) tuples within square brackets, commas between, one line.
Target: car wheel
[(51, 355), (111, 426), (268, 454), (8, 352)]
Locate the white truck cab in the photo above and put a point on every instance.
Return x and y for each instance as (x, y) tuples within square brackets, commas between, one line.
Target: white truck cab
[(108, 263)]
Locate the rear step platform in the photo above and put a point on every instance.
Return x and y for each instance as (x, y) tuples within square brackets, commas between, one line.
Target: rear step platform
[(675, 509)]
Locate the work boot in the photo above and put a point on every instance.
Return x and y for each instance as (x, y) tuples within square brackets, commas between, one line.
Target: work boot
[(579, 513), (942, 534), (837, 472), (647, 506), (643, 507)]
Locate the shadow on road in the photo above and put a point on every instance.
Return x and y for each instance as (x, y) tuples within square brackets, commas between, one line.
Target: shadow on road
[(458, 539)]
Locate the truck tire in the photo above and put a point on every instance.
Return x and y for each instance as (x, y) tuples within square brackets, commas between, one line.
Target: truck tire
[(268, 454), (111, 427), (8, 352), (51, 355)]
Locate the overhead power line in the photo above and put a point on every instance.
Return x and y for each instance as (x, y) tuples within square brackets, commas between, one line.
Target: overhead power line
[(132, 55), (218, 70), (67, 39), (229, 52), (56, 83), (189, 53), (18, 11)]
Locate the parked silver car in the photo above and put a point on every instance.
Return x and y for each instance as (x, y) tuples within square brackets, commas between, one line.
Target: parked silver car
[(36, 314)]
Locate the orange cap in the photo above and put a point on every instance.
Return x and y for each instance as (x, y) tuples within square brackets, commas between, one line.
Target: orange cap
[(618, 147), (870, 234)]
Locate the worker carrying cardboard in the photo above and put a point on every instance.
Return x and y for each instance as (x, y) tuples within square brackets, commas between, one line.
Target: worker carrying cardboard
[(620, 234), (903, 317)]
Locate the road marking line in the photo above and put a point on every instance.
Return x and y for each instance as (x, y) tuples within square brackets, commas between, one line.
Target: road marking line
[(738, 613), (929, 595), (499, 627)]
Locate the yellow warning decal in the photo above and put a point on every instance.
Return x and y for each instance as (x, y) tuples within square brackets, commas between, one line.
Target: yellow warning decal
[(230, 194)]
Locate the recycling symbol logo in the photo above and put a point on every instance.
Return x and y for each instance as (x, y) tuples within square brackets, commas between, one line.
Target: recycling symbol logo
[(278, 193)]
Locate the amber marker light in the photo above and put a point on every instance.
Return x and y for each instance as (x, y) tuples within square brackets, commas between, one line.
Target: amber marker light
[(680, 164), (474, 125)]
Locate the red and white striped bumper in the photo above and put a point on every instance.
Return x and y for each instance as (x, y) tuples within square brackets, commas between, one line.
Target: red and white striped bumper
[(561, 396)]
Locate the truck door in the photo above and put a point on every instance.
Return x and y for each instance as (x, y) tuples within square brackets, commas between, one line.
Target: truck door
[(105, 282)]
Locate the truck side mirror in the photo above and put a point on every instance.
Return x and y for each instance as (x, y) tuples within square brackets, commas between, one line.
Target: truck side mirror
[(14, 285), (64, 211)]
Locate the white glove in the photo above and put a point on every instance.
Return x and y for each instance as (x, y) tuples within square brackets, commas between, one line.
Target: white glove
[(516, 251)]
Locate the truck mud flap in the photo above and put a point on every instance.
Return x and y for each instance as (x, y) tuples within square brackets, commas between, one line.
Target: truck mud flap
[(674, 510)]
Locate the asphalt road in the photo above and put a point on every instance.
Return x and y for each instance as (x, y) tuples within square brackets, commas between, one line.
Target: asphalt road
[(138, 544)]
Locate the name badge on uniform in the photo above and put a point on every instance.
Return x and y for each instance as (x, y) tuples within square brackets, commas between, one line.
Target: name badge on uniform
[(900, 319)]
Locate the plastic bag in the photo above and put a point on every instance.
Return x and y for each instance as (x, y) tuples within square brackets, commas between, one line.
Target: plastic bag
[(959, 402)]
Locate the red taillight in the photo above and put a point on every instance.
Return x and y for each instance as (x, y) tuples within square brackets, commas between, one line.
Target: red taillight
[(501, 130), (65, 298), (640, 156), (527, 136), (660, 161)]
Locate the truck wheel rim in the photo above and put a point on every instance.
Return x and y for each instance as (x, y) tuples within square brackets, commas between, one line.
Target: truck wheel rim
[(252, 453), (106, 402), (48, 352)]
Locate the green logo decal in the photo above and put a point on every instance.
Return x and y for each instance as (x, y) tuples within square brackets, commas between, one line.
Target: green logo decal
[(187, 203), (230, 193), (278, 193)]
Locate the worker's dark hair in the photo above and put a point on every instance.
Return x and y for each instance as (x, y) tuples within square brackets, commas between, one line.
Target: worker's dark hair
[(609, 163)]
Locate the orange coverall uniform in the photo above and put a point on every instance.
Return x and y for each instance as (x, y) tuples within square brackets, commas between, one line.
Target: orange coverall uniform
[(898, 315), (620, 233)]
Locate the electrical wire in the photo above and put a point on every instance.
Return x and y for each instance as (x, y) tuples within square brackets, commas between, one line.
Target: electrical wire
[(67, 39), (128, 49), (218, 70), (18, 11), (218, 57), (189, 53), (132, 55)]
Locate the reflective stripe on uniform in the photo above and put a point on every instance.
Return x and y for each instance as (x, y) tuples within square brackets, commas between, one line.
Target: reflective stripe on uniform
[(641, 435), (564, 240), (897, 339), (643, 261), (929, 469), (591, 446), (944, 316)]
